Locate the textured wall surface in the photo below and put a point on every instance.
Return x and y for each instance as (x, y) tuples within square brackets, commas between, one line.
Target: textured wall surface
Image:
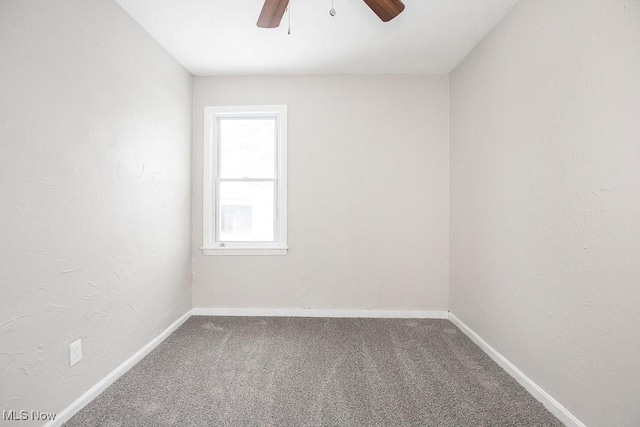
[(368, 196), (545, 200), (95, 135)]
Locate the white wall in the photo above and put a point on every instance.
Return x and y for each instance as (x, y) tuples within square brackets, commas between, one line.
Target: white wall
[(545, 200), (95, 137), (368, 196)]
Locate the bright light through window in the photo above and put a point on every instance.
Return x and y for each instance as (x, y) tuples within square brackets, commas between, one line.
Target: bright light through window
[(247, 211), (248, 148), (245, 185)]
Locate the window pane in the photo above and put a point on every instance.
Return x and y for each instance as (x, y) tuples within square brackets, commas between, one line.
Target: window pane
[(246, 212), (247, 148)]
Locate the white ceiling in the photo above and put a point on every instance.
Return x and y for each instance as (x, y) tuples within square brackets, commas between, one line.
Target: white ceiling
[(220, 37)]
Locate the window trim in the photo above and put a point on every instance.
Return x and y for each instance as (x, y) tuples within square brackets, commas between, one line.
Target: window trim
[(211, 164)]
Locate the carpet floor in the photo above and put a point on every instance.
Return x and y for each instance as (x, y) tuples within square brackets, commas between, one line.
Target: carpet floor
[(241, 371)]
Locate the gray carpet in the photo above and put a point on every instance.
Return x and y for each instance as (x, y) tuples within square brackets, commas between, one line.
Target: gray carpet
[(239, 371)]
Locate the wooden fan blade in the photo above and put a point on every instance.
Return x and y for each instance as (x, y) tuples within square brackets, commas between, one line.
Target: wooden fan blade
[(386, 9), (272, 13)]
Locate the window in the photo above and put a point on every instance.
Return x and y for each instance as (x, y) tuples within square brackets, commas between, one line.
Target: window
[(245, 180)]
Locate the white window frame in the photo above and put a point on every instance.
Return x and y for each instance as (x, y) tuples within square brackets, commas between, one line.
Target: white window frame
[(212, 246)]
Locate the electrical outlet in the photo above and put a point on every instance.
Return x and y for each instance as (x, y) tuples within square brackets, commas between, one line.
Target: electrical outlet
[(75, 352)]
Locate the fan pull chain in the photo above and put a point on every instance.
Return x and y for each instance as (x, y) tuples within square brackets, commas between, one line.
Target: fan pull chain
[(289, 17), (332, 11)]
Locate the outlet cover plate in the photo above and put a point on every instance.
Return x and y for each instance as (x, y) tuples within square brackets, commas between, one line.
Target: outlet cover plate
[(75, 352)]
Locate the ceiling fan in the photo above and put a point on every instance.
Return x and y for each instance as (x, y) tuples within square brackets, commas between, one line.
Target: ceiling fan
[(273, 10)]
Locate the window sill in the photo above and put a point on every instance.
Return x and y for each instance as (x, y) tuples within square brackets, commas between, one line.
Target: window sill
[(246, 251)]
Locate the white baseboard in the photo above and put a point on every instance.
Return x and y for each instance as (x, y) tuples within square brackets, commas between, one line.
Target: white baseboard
[(94, 391), (294, 312), (534, 389)]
